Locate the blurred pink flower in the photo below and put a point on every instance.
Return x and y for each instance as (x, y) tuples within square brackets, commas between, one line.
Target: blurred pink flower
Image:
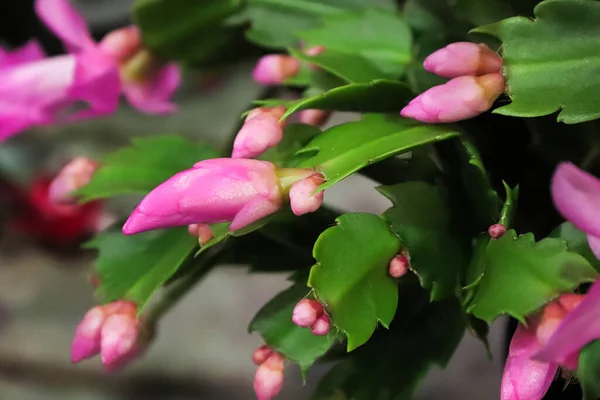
[(75, 175), (275, 69)]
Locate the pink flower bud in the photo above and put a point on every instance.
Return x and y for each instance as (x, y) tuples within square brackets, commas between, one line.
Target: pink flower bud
[(302, 199), (202, 232), (399, 266), (496, 231), (463, 58), (275, 69), (119, 341), (461, 98), (218, 190), (313, 117), (306, 312), (552, 316), (570, 300), (321, 326), (75, 175), (268, 380), (122, 44), (314, 51), (262, 130), (261, 354)]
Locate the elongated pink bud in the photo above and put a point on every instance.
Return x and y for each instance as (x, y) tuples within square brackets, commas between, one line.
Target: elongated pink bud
[(302, 199), (463, 58), (119, 343), (275, 69), (75, 175), (268, 380), (261, 354), (321, 326), (202, 232), (496, 231), (461, 98), (261, 131), (399, 266), (238, 190), (314, 117), (306, 312)]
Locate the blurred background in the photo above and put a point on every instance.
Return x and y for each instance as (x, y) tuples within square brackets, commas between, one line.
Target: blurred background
[(203, 350)]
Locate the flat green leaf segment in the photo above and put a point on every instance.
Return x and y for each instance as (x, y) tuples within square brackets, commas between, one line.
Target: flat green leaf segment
[(344, 149), (588, 370), (274, 323), (393, 363), (421, 218), (576, 242), (382, 39), (275, 23), (552, 62), (351, 275), (134, 267), (145, 164), (521, 275)]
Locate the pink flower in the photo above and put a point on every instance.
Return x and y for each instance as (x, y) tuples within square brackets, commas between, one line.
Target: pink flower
[(461, 98), (399, 266), (313, 117), (321, 326), (274, 69), (261, 131), (303, 198), (218, 190), (37, 91), (307, 312), (202, 232), (113, 330), (75, 175), (463, 58), (268, 380)]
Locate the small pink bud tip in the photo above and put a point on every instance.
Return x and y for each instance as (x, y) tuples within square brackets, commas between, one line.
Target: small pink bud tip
[(314, 51), (496, 231), (75, 175), (552, 316), (306, 312), (122, 44), (313, 117), (268, 380), (261, 354), (202, 232), (302, 199), (275, 69), (321, 326), (459, 99), (261, 131), (398, 266), (86, 342), (463, 58)]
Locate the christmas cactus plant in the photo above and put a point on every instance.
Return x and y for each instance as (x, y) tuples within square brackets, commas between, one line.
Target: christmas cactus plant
[(493, 106)]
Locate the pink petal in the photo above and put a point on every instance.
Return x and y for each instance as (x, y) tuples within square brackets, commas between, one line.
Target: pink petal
[(576, 195), (594, 242), (153, 97), (524, 378), (580, 327), (31, 51), (65, 22)]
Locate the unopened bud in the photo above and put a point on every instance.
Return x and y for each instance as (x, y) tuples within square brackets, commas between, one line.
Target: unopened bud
[(302, 199), (314, 117), (399, 266), (570, 301), (268, 380), (321, 326), (307, 312), (202, 232), (275, 69), (75, 175), (86, 342), (119, 339), (496, 231), (261, 354), (261, 131), (463, 58), (552, 316), (122, 44)]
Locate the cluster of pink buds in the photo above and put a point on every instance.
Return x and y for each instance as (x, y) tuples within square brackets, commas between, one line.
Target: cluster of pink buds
[(202, 232), (399, 266), (113, 331), (310, 314), (268, 380), (477, 82)]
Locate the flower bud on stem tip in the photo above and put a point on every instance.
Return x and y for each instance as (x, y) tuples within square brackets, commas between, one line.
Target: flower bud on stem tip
[(399, 266), (496, 231), (307, 312), (303, 198), (463, 58), (274, 69), (268, 380), (202, 231), (261, 354), (321, 326)]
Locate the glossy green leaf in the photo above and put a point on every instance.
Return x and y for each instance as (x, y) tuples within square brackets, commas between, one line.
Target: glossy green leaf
[(274, 23), (421, 218), (521, 275), (393, 363), (145, 164), (344, 149), (376, 96), (576, 242), (383, 38), (351, 275), (588, 370), (296, 136), (551, 63), (134, 267), (274, 323)]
